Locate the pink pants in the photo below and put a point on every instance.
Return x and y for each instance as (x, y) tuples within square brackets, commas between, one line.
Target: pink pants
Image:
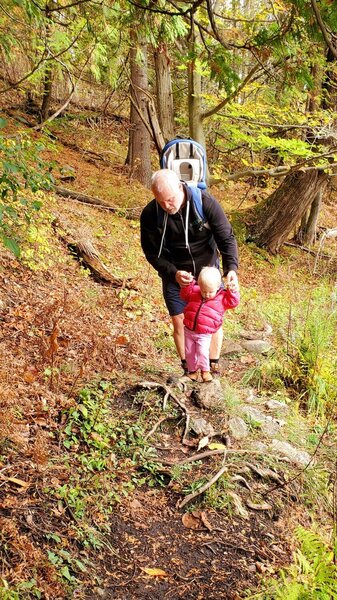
[(197, 350)]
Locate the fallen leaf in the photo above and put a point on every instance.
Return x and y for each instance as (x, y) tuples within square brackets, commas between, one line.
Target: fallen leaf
[(29, 376), (191, 520), (247, 360), (122, 340), (206, 522), (203, 442), (154, 572), (19, 482), (217, 446)]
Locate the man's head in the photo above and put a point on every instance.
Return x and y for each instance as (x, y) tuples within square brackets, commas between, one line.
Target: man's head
[(168, 190), (209, 282)]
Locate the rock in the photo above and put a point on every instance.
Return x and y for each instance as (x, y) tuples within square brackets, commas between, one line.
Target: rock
[(256, 346), (201, 427), (268, 425), (298, 457), (209, 395), (270, 428), (257, 335), (260, 447), (277, 406), (254, 414), (232, 348), (238, 428)]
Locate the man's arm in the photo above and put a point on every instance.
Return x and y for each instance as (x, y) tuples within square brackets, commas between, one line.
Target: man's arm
[(150, 237), (223, 235)]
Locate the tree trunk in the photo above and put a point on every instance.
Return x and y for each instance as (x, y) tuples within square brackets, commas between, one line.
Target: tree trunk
[(329, 100), (46, 94), (196, 128), (164, 92), (48, 70), (277, 217), (307, 232), (139, 152)]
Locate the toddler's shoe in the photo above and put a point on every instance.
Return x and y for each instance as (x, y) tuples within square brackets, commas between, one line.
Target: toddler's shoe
[(193, 375), (206, 376)]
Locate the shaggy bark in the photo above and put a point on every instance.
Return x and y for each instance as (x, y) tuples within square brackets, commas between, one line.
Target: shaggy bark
[(277, 218), (139, 150), (307, 231), (165, 107)]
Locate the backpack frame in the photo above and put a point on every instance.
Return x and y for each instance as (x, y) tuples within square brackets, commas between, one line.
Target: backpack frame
[(187, 158)]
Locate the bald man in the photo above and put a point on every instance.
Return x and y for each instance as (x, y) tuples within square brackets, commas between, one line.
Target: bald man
[(178, 243)]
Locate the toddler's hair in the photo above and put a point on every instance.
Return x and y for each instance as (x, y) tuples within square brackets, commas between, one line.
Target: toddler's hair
[(209, 276)]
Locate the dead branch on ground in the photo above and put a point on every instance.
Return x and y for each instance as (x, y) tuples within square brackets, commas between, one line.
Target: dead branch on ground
[(80, 244), (130, 213)]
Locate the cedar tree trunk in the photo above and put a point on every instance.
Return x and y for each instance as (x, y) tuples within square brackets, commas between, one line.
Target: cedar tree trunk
[(164, 92), (139, 151), (307, 232), (283, 210)]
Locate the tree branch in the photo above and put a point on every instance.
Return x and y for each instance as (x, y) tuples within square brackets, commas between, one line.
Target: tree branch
[(323, 28), (216, 109)]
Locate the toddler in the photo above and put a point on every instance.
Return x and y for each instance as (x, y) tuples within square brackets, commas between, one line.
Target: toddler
[(207, 302)]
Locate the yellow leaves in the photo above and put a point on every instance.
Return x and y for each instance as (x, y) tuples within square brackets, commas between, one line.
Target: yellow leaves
[(16, 481), (154, 572), (217, 446)]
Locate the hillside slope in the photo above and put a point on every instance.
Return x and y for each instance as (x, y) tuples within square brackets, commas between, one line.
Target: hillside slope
[(93, 459)]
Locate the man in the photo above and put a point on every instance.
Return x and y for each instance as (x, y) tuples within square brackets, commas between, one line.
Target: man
[(180, 244)]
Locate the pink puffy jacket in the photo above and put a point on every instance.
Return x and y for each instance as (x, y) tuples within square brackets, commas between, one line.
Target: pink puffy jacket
[(206, 316)]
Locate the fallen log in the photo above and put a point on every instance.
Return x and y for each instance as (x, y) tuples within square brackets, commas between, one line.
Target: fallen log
[(128, 213), (81, 246)]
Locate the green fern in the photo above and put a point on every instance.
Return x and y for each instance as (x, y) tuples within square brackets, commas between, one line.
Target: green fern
[(313, 574)]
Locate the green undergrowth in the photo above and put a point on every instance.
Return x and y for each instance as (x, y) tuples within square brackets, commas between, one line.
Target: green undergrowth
[(303, 361), (312, 574)]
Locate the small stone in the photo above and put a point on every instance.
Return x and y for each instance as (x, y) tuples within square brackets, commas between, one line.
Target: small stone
[(256, 346), (209, 395), (254, 414), (232, 348), (201, 427), (298, 457), (270, 428), (276, 405), (238, 428)]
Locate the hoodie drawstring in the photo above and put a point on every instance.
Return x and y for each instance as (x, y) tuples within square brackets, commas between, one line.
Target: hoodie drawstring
[(163, 236)]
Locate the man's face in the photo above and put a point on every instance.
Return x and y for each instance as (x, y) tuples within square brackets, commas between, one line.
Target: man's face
[(171, 198)]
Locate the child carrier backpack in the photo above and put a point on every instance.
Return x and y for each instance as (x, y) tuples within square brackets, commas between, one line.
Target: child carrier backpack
[(187, 158)]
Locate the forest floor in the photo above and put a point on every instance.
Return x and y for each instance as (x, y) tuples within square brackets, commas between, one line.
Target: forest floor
[(92, 460)]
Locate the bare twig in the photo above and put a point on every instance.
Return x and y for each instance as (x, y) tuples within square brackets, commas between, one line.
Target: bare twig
[(155, 384), (202, 455), (156, 425), (203, 488)]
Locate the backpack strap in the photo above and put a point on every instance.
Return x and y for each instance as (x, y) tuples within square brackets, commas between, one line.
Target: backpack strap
[(197, 201)]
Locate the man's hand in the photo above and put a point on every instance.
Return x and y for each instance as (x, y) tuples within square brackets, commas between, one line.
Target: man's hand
[(232, 281), (183, 278)]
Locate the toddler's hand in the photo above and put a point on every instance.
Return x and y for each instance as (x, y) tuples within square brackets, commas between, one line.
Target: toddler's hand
[(232, 281)]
